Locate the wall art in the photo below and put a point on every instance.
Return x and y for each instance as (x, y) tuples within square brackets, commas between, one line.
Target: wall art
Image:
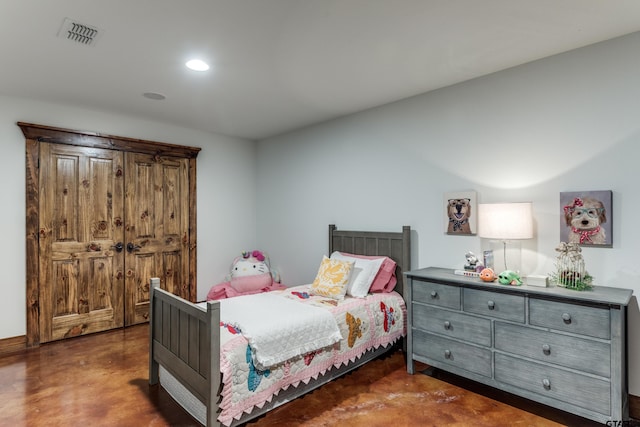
[(586, 218), (461, 213)]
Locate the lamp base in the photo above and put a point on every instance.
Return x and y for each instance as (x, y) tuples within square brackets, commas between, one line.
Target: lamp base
[(507, 256)]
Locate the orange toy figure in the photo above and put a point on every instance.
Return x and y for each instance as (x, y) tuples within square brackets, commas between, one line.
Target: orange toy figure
[(487, 275)]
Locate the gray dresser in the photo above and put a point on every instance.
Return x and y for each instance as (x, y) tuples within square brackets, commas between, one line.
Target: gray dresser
[(559, 347)]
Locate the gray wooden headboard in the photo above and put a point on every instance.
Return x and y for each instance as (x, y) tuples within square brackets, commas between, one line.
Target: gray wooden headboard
[(395, 245)]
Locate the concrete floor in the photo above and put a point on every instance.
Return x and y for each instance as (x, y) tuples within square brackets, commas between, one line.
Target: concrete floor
[(102, 380)]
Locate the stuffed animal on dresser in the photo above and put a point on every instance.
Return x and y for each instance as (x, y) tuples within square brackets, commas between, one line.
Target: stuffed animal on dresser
[(509, 277), (250, 273)]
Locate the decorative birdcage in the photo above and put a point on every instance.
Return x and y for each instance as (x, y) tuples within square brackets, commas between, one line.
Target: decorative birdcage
[(570, 270)]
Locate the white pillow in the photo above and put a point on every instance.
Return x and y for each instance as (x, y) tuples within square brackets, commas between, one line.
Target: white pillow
[(362, 274)]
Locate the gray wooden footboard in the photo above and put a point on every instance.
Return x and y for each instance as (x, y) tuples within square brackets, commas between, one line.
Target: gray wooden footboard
[(182, 340)]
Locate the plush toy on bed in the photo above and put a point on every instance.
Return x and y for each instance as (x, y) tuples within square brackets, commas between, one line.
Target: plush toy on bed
[(250, 274)]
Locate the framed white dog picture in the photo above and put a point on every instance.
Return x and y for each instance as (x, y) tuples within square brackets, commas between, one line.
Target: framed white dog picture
[(585, 218), (460, 213)]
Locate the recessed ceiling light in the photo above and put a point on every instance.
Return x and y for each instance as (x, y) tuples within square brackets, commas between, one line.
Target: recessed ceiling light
[(154, 95), (197, 65)]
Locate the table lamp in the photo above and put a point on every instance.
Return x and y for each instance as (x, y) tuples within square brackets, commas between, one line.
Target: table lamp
[(505, 222)]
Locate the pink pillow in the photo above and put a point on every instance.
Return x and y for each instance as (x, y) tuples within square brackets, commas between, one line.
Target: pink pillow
[(385, 280), (251, 283)]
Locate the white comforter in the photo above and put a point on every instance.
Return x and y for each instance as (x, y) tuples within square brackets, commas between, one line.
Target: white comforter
[(292, 328)]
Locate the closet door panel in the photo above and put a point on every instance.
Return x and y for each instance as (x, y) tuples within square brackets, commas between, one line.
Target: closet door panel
[(81, 210), (156, 230)]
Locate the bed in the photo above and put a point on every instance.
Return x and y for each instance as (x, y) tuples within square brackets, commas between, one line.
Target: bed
[(185, 339)]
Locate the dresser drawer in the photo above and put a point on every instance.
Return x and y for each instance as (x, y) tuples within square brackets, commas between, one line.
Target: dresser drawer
[(436, 294), (453, 353), (579, 319), (497, 305), (555, 383), (452, 324), (547, 347)]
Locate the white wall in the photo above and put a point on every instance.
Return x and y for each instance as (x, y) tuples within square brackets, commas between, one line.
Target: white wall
[(226, 169), (565, 123)]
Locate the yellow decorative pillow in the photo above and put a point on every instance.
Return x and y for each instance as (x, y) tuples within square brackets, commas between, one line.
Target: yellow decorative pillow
[(332, 278)]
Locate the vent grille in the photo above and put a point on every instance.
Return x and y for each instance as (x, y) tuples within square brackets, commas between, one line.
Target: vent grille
[(77, 32)]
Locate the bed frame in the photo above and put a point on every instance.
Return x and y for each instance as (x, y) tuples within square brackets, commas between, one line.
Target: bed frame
[(182, 340)]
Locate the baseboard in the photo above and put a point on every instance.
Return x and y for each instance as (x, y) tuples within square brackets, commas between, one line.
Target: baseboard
[(634, 407), (11, 345)]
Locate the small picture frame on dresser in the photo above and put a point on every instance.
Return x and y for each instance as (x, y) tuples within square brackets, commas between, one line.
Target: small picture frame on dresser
[(460, 210)]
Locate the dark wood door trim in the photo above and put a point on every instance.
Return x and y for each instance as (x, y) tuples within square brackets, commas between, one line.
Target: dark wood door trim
[(33, 249), (35, 134), (97, 140)]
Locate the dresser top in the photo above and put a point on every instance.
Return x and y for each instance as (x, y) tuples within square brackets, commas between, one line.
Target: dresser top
[(598, 294)]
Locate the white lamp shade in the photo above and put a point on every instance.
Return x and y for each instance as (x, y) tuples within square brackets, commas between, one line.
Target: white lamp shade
[(505, 221)]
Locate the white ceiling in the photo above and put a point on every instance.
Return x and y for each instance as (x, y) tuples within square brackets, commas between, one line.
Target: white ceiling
[(278, 65)]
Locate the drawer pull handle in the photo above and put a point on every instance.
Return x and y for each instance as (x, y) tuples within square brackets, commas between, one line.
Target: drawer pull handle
[(447, 325), (546, 349), (491, 305), (546, 384), (447, 354), (566, 317), (434, 294)]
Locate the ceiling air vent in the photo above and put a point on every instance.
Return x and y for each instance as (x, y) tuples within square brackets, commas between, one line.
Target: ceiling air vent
[(80, 33)]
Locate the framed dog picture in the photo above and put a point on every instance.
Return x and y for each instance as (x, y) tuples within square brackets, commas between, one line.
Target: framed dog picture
[(460, 213), (586, 218)]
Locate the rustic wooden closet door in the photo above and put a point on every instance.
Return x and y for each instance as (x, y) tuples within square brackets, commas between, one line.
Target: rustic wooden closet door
[(104, 214), (156, 229), (81, 280)]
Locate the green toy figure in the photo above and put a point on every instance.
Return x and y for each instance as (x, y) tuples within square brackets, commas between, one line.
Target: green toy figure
[(509, 277)]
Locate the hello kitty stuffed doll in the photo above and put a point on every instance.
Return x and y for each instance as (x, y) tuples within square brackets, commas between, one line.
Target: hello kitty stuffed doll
[(250, 274)]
